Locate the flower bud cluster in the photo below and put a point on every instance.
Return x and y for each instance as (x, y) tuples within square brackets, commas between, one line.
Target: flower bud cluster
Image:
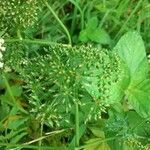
[(18, 14), (2, 49), (134, 143), (67, 75)]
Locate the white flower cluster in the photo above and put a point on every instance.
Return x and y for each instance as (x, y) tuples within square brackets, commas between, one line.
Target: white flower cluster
[(2, 49)]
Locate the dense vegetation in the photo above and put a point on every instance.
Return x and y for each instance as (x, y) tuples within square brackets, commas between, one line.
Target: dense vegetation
[(75, 74)]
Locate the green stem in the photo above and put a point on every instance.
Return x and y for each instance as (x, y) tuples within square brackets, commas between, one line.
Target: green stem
[(77, 124), (74, 20), (33, 41), (19, 34), (11, 95), (134, 10), (41, 134), (59, 21), (104, 18), (77, 8), (34, 147)]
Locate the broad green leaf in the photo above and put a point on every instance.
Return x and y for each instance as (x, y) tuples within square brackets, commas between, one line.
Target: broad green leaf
[(141, 71), (92, 23), (131, 50), (100, 7), (96, 144), (94, 33), (91, 26), (83, 36), (134, 119), (139, 97), (99, 35), (139, 127), (98, 133)]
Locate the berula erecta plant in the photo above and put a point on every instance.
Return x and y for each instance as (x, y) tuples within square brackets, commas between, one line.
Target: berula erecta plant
[(18, 15), (68, 86), (57, 77), (64, 75)]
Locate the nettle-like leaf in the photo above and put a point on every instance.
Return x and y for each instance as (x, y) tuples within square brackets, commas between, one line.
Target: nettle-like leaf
[(94, 33), (131, 50), (63, 75)]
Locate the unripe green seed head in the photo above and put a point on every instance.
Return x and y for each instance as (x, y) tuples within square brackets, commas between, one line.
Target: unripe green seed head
[(59, 77)]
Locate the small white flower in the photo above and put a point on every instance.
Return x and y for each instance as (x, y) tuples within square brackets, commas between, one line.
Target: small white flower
[(7, 69), (1, 65), (1, 41), (3, 48), (1, 55)]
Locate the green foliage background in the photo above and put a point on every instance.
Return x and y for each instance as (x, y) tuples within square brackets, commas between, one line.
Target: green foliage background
[(75, 75)]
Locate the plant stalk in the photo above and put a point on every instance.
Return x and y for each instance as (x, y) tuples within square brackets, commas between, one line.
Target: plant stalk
[(77, 124), (12, 97), (33, 41), (130, 16), (59, 21)]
